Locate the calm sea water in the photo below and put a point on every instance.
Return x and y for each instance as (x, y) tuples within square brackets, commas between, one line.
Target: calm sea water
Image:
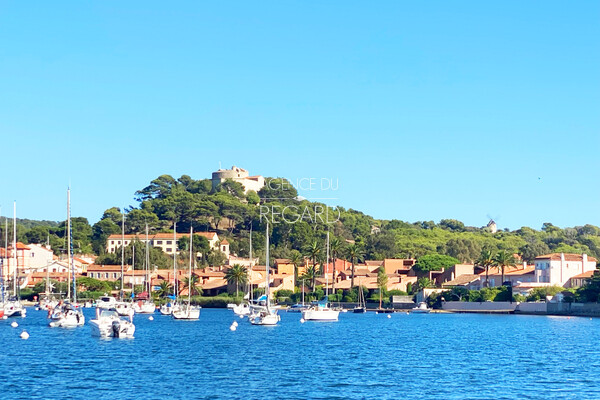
[(436, 356)]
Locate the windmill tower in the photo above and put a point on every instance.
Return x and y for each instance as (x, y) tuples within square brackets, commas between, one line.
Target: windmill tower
[(491, 225)]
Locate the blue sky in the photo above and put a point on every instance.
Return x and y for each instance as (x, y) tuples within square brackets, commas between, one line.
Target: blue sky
[(421, 111)]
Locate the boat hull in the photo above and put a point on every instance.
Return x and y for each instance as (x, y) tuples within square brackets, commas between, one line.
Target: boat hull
[(184, 313), (268, 319), (320, 315)]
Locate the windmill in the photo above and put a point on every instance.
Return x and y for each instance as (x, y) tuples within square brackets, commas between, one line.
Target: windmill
[(491, 225)]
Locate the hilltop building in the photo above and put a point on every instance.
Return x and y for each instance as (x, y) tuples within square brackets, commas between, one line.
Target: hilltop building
[(165, 242), (240, 175)]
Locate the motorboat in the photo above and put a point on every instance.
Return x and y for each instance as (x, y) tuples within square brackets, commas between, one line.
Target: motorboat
[(108, 324), (298, 307), (421, 309), (68, 317), (106, 302), (320, 312), (186, 311), (144, 307), (14, 308), (242, 309), (124, 308)]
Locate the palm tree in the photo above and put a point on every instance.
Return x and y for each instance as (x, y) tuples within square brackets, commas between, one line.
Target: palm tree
[(310, 275), (237, 275), (335, 246), (195, 290), (486, 260), (165, 289), (354, 253), (382, 281), (423, 283), (313, 251), (502, 260)]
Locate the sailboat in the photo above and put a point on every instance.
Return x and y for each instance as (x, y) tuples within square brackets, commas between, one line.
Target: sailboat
[(262, 312), (13, 307), (322, 310), (171, 305), (146, 306), (243, 308), (122, 307), (362, 305), (69, 315), (188, 311)]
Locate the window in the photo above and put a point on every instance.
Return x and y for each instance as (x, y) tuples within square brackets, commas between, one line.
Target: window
[(112, 242), (159, 242), (169, 250), (223, 248), (32, 255), (169, 242)]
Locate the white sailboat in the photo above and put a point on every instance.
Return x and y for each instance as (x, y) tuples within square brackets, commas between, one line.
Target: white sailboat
[(13, 307), (262, 312), (171, 305), (146, 306), (243, 308), (187, 310), (69, 315), (122, 307), (362, 305), (322, 310)]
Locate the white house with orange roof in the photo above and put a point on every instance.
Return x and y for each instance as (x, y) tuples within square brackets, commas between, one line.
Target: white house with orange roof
[(558, 268), (167, 242)]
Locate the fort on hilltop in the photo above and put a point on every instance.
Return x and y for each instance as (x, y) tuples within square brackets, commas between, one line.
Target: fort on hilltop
[(240, 175)]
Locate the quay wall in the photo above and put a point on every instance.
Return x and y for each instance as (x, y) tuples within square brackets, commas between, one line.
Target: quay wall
[(532, 308), (575, 309), (488, 306)]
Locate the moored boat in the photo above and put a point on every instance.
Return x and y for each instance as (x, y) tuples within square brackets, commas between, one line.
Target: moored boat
[(421, 309), (108, 324)]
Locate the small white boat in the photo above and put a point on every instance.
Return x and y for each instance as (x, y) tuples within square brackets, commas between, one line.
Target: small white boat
[(421, 309), (106, 302), (14, 308), (299, 307), (144, 307), (124, 309), (186, 311), (68, 317), (108, 324), (168, 308), (321, 312), (264, 317), (242, 309)]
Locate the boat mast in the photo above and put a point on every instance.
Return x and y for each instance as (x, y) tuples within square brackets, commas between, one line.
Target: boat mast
[(72, 264), (147, 265), (175, 260), (15, 248), (250, 277), (2, 267), (190, 273), (122, 253), (133, 270), (327, 265), (267, 266), (68, 227)]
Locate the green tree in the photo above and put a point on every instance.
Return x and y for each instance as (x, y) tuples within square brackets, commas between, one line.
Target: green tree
[(354, 252), (193, 283), (313, 251), (335, 248), (485, 260), (434, 262), (237, 275), (503, 259)]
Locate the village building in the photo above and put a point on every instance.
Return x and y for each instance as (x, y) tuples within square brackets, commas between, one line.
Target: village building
[(558, 268), (167, 242)]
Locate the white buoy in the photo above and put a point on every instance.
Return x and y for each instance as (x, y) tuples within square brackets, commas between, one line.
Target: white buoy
[(232, 328), (24, 335), (151, 318), (4, 317), (389, 316), (14, 324), (376, 312), (241, 317), (235, 323), (301, 320)]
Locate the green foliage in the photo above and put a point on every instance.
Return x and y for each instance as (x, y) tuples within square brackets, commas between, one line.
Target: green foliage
[(434, 262), (94, 285), (590, 292), (237, 275), (540, 293)]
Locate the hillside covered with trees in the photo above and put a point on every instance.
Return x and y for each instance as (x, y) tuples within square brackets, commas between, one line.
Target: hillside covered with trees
[(232, 213)]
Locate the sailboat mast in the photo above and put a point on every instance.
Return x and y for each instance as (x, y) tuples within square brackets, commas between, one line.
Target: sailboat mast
[(68, 249), (267, 266), (122, 253), (327, 265), (2, 267), (133, 270), (15, 247), (250, 278), (190, 273), (72, 264), (175, 260), (146, 263)]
